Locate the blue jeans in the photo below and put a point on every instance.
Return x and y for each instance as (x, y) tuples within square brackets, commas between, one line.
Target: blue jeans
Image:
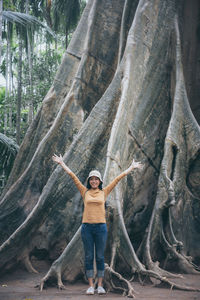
[(94, 235)]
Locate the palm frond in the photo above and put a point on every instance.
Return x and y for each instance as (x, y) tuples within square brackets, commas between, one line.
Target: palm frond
[(66, 13), (8, 152), (25, 20)]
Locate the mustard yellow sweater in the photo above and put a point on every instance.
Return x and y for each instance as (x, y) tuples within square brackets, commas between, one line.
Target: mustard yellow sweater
[(94, 200)]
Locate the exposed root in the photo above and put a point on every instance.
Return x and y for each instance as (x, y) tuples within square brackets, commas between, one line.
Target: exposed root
[(61, 286), (164, 281), (163, 273), (69, 261), (44, 279), (28, 265), (154, 266), (172, 252), (189, 259), (117, 283), (144, 279), (26, 262), (53, 273), (184, 262), (173, 247), (167, 283), (114, 248), (171, 231)]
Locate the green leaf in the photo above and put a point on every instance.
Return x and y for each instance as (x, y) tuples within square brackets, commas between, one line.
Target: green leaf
[(8, 152), (25, 20)]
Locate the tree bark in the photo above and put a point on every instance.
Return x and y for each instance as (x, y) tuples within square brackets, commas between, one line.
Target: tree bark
[(123, 74)]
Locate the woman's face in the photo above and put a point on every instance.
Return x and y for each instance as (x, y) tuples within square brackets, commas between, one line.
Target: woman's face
[(94, 182)]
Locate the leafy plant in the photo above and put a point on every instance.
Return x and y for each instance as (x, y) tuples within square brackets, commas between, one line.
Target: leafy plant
[(8, 152)]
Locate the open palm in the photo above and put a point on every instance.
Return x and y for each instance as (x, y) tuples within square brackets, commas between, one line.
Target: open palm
[(57, 158)]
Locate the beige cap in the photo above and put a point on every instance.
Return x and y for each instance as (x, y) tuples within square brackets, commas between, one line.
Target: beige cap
[(96, 174)]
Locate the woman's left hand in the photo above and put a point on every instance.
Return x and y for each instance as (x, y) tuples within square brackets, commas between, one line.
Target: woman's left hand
[(134, 165), (58, 159)]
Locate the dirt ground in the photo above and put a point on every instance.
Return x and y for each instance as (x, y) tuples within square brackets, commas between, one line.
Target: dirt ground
[(20, 285)]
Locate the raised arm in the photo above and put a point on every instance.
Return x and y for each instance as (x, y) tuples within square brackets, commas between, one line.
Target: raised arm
[(134, 165), (80, 186)]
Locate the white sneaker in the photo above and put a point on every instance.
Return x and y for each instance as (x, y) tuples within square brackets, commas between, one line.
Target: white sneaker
[(90, 291), (100, 290)]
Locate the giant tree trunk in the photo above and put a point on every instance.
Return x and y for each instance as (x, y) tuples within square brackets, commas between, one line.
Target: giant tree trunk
[(120, 93)]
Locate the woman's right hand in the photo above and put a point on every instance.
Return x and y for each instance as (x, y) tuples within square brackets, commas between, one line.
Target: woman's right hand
[(58, 159)]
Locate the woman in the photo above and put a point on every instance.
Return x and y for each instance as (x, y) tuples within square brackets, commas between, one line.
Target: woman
[(94, 230)]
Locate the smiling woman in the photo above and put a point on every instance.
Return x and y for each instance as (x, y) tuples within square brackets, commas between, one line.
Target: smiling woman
[(94, 229), (94, 180)]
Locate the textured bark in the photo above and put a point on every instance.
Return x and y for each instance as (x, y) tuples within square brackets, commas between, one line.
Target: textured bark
[(120, 93), (66, 104)]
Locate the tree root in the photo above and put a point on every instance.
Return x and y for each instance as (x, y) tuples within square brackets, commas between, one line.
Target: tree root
[(68, 262), (52, 273), (26, 262), (117, 283), (184, 262), (28, 265), (189, 259), (163, 273), (167, 283)]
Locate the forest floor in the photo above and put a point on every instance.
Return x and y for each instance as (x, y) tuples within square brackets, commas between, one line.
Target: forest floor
[(20, 285)]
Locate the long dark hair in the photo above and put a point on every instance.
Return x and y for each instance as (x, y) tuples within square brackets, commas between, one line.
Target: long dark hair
[(89, 186)]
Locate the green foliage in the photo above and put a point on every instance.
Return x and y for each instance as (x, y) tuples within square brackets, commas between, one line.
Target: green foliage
[(8, 152), (2, 106), (45, 58), (45, 65), (43, 73), (66, 14), (45, 54), (25, 20), (8, 5)]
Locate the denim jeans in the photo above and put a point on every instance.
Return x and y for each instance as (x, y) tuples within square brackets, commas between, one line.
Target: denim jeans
[(94, 236)]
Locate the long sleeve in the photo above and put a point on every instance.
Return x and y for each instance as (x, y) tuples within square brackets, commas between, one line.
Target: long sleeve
[(111, 186), (82, 189)]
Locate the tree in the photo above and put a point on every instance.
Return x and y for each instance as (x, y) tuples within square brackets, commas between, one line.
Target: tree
[(115, 97), (61, 16), (9, 151), (30, 64), (19, 88), (22, 26), (65, 15), (22, 19), (1, 12)]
